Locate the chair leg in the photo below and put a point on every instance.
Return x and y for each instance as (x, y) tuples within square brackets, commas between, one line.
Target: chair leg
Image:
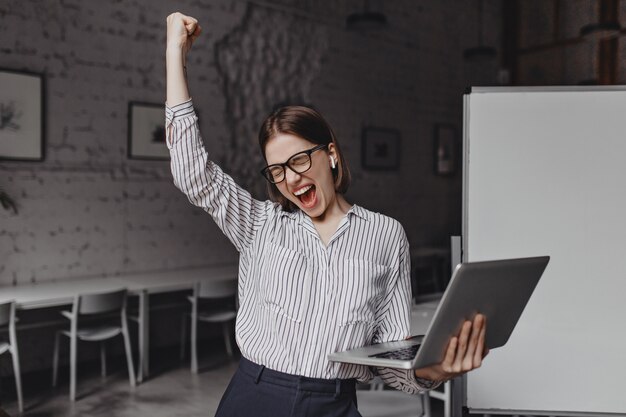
[(18, 375), (183, 336), (194, 344), (226, 329), (55, 359), (140, 370), (73, 364), (426, 405), (129, 353), (103, 359), (141, 340), (144, 335)]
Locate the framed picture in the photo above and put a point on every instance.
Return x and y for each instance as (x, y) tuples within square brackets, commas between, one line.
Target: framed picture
[(446, 150), (146, 131), (380, 148), (21, 115)]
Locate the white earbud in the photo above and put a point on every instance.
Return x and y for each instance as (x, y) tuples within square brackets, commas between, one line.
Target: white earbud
[(332, 162)]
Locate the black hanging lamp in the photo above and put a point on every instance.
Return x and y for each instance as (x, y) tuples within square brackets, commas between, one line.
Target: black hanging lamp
[(601, 29), (366, 20), (480, 52)]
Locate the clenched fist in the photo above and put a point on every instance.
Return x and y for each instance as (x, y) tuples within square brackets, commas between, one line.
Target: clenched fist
[(182, 31)]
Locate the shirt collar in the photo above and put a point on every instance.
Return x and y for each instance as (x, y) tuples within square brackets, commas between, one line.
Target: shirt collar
[(358, 211), (291, 214), (299, 215)]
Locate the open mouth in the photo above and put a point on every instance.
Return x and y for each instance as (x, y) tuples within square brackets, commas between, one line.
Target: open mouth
[(306, 195)]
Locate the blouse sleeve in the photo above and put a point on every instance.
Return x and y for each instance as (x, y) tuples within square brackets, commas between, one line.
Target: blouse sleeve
[(204, 183), (393, 323)]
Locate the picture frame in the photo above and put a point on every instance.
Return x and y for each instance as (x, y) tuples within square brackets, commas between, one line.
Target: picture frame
[(445, 150), (146, 131), (22, 115), (380, 148)]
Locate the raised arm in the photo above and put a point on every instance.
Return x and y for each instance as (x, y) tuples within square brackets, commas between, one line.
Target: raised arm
[(204, 183)]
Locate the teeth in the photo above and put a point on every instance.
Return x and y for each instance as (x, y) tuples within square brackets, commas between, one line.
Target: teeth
[(303, 190)]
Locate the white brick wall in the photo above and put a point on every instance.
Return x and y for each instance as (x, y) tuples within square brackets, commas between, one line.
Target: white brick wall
[(87, 210)]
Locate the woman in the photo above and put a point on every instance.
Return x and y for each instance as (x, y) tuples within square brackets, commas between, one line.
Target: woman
[(316, 273)]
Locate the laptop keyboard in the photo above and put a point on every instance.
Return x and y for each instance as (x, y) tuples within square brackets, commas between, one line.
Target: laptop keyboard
[(404, 354)]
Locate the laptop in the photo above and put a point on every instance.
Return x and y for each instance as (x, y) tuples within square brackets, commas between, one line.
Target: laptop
[(498, 289)]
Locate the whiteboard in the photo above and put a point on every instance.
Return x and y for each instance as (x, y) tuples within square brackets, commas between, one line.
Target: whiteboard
[(545, 174)]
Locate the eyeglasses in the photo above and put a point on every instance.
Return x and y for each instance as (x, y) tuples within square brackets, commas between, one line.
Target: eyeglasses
[(298, 163)]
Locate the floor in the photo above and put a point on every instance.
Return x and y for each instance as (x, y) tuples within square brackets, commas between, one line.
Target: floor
[(171, 391)]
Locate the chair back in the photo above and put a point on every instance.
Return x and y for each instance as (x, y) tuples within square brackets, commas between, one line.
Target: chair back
[(216, 289), (104, 302), (6, 315)]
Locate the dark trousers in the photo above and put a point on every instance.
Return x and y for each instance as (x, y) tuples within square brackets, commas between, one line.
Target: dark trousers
[(256, 391)]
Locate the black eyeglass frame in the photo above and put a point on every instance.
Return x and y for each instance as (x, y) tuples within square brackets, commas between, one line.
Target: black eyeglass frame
[(269, 177)]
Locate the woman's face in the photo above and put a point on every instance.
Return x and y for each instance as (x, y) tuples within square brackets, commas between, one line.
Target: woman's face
[(312, 191)]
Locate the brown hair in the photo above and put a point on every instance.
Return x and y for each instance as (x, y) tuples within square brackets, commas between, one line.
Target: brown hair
[(308, 124)]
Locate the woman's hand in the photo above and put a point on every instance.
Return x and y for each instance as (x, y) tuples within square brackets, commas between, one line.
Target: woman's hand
[(182, 31), (464, 353)]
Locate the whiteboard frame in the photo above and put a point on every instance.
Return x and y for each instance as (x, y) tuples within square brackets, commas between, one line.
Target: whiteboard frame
[(465, 227)]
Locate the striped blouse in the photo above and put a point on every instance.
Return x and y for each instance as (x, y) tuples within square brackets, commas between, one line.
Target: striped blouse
[(299, 299)]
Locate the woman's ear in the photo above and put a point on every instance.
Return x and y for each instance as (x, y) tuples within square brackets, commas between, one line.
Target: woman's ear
[(332, 151)]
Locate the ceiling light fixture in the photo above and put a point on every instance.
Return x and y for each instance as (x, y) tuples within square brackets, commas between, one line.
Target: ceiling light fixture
[(480, 52), (366, 20)]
